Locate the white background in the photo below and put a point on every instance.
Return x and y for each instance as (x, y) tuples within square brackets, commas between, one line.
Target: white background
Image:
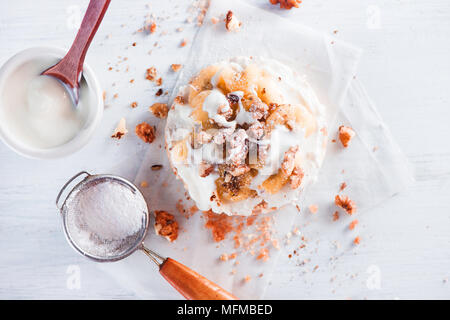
[(405, 68)]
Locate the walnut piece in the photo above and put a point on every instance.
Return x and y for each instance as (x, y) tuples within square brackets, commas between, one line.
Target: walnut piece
[(286, 4), (256, 130), (225, 111), (231, 22), (146, 132), (166, 226), (160, 110), (205, 169), (295, 180), (345, 203), (238, 149), (239, 170), (259, 110), (151, 74), (345, 135), (121, 129), (288, 164), (179, 100)]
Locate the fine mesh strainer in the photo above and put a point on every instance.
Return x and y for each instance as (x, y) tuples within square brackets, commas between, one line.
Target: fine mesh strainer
[(189, 283)]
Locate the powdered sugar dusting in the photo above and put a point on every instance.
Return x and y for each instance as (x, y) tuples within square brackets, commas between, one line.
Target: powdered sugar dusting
[(105, 217)]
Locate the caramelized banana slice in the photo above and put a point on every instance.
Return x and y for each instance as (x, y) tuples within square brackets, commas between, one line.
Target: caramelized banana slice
[(268, 91), (226, 193), (199, 114), (202, 82), (275, 182), (234, 188), (179, 151), (285, 113)]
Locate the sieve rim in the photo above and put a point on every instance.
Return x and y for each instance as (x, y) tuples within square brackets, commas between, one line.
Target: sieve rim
[(88, 179)]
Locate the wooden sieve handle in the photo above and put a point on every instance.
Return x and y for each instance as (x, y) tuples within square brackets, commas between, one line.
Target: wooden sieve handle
[(190, 284)]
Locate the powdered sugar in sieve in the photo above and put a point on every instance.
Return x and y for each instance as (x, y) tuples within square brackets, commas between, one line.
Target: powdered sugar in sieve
[(104, 217)]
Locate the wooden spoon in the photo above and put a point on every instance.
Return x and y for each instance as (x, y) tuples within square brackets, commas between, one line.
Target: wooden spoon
[(69, 69)]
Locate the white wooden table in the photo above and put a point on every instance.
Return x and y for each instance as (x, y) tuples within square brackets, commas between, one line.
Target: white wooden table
[(405, 68)]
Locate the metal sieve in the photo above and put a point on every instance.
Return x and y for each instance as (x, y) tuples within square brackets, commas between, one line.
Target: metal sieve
[(189, 283)]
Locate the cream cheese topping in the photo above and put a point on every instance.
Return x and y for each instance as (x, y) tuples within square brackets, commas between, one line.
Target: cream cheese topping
[(293, 90)]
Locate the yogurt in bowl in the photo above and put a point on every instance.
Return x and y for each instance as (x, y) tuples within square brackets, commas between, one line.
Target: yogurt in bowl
[(37, 118)]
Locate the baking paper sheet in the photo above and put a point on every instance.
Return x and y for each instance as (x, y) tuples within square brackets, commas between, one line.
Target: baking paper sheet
[(373, 166)]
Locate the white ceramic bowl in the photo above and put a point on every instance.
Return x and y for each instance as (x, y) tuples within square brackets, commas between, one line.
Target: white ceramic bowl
[(92, 120)]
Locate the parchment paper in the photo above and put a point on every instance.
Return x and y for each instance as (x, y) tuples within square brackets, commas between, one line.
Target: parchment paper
[(373, 167)]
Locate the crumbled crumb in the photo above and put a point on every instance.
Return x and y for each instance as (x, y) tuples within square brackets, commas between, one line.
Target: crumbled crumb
[(336, 216), (183, 43), (343, 186), (134, 104), (131, 80), (104, 96), (159, 110), (313, 208), (144, 184), (247, 278), (345, 203), (220, 225), (214, 20), (134, 44), (120, 130), (116, 95), (146, 132), (159, 92), (257, 209), (231, 22), (357, 240), (345, 135), (286, 4), (223, 257), (193, 209), (263, 254), (165, 225), (152, 27), (159, 81), (176, 67), (353, 224), (180, 207)]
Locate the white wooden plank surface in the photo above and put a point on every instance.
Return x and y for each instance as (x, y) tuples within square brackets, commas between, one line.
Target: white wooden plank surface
[(405, 68)]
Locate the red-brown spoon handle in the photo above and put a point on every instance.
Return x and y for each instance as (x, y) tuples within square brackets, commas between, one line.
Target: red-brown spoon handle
[(190, 284), (70, 67)]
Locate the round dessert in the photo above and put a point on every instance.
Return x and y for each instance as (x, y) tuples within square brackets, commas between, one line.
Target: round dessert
[(246, 136)]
